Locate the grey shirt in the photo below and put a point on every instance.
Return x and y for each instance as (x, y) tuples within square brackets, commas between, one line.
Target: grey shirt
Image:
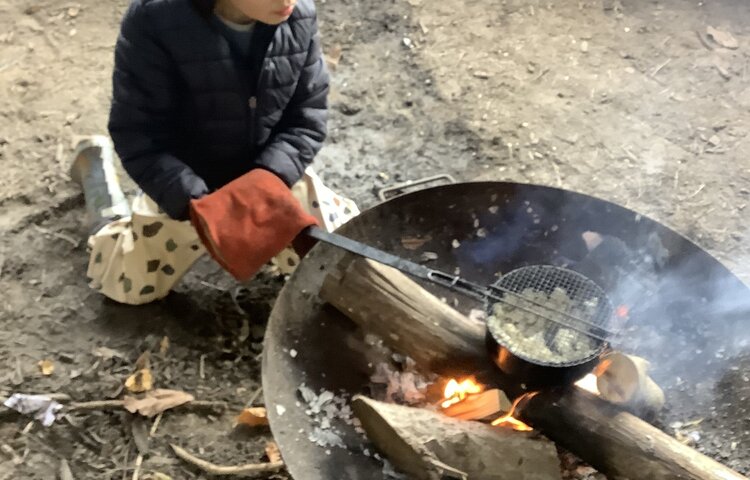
[(237, 34)]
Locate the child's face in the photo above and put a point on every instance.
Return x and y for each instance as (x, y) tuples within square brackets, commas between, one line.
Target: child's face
[(271, 12)]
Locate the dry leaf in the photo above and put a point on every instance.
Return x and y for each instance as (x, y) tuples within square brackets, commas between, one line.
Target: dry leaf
[(144, 361), (156, 401), (140, 381), (106, 353), (139, 429), (46, 367), (334, 56), (164, 346), (272, 452), (725, 39), (413, 243), (253, 417)]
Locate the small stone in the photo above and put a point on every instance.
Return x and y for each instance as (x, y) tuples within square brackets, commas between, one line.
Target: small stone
[(482, 75), (584, 46), (714, 140), (408, 43)]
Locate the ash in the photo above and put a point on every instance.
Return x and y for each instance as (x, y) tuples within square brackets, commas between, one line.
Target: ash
[(325, 407), (399, 382)]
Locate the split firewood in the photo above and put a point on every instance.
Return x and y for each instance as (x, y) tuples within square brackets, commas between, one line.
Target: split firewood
[(489, 403), (427, 445), (247, 470), (623, 379)]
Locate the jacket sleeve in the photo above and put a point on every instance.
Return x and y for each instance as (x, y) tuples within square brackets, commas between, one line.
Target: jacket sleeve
[(300, 133), (144, 114)]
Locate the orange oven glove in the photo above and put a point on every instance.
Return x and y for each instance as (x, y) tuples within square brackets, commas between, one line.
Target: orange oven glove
[(249, 221)]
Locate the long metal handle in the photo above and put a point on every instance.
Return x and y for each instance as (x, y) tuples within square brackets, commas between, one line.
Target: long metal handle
[(403, 265), (452, 282)]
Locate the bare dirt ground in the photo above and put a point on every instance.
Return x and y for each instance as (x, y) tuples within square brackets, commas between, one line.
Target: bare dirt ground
[(626, 100)]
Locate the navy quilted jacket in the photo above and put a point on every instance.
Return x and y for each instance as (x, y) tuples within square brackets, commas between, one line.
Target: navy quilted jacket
[(187, 118)]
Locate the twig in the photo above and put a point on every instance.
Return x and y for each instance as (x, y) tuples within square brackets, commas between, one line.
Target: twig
[(660, 66), (700, 189), (211, 285), (59, 235), (202, 366), (118, 404), (255, 396), (213, 469)]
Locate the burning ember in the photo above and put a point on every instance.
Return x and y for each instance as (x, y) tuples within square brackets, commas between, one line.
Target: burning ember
[(457, 391), (508, 420), (472, 393)]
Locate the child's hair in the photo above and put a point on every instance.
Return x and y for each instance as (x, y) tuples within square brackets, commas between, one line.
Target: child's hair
[(204, 7)]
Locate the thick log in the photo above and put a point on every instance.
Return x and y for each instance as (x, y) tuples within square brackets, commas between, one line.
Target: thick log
[(383, 301), (427, 445), (387, 303)]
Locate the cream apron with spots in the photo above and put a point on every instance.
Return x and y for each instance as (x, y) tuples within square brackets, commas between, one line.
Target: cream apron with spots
[(138, 259)]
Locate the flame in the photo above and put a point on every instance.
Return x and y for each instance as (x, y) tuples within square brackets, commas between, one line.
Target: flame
[(456, 391), (508, 420)]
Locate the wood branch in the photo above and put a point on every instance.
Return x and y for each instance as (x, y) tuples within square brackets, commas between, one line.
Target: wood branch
[(381, 300), (427, 445), (399, 310), (104, 405), (247, 470)]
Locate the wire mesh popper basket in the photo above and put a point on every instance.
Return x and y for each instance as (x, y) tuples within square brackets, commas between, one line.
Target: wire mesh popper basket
[(568, 314)]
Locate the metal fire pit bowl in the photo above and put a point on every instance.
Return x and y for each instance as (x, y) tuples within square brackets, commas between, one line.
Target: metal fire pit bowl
[(684, 306)]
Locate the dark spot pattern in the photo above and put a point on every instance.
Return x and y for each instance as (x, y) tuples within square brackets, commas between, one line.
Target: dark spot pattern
[(152, 265), (290, 261), (152, 229), (147, 289), (195, 247), (98, 258), (127, 285), (171, 246), (167, 269), (315, 204)]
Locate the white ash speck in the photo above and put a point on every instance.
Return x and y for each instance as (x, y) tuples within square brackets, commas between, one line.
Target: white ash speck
[(494, 209), (280, 410), (455, 243), (293, 353), (482, 233)]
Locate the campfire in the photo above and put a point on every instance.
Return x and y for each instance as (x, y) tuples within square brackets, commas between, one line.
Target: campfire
[(475, 419)]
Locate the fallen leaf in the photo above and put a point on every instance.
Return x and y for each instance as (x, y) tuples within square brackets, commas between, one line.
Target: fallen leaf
[(253, 417), (244, 331), (334, 56), (106, 353), (272, 452), (413, 243), (156, 401), (139, 430), (140, 381), (144, 361), (46, 367), (164, 346), (725, 39)]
